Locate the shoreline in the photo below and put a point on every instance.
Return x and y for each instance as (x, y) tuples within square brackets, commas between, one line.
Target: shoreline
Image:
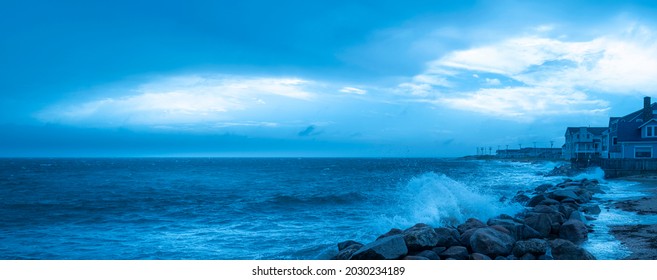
[(639, 238)]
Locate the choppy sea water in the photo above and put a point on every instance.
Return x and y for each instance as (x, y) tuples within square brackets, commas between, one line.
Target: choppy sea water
[(253, 208)]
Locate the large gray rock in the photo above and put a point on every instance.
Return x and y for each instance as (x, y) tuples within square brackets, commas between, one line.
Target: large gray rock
[(566, 250), (455, 252), (540, 222), (533, 246), (536, 200), (387, 248), (469, 224), (593, 209), (491, 242), (420, 237), (479, 257), (346, 252), (391, 232), (574, 231), (543, 188), (517, 229), (447, 237), (465, 237), (429, 254)]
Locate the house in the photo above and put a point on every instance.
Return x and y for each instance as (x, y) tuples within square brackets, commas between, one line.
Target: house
[(583, 143), (632, 136)]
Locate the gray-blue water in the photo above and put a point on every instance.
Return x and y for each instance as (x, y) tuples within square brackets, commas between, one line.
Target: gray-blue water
[(241, 208)]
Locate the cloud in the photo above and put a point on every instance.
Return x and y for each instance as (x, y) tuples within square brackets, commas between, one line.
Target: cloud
[(353, 90), (192, 99), (307, 131), (547, 75), (525, 103)]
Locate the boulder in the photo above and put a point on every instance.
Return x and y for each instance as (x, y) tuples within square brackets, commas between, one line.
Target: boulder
[(518, 230), (479, 257), (563, 194), (492, 242), (394, 231), (438, 250), (540, 222), (543, 188), (566, 209), (576, 215), (420, 237), (536, 200), (470, 223), (345, 244), (574, 231), (592, 209), (534, 246), (346, 252), (429, 254), (500, 258), (447, 237), (552, 211), (465, 237), (455, 252), (387, 248), (415, 258), (565, 250), (521, 199), (548, 202), (528, 257)]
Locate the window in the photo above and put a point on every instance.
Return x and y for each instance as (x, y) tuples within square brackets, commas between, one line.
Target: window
[(577, 136), (651, 131), (642, 152), (588, 136), (614, 140)]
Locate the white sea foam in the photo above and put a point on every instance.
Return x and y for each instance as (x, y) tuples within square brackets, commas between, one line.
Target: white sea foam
[(437, 199)]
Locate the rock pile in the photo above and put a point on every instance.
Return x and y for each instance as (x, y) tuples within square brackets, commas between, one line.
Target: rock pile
[(552, 226)]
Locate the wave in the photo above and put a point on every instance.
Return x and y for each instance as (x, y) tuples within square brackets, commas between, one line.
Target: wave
[(437, 199)]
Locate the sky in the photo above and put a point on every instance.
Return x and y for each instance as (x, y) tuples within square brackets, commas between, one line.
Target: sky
[(315, 78)]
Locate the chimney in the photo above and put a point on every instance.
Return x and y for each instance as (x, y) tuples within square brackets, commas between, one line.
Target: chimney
[(647, 109)]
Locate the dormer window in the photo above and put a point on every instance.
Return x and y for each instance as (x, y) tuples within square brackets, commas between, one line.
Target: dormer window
[(650, 131)]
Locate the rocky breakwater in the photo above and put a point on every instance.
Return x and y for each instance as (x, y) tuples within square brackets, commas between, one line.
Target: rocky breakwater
[(552, 226)]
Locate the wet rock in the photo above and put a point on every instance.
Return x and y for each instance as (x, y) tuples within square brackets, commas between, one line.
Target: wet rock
[(545, 257), (447, 237), (574, 231), (387, 248), (533, 246), (438, 250), (566, 250), (527, 257), (540, 222), (470, 223), (415, 258), (536, 200), (548, 202), (429, 254), (479, 257), (593, 209), (576, 215), (394, 231), (420, 237), (500, 258), (563, 194), (455, 252), (346, 252), (521, 199), (491, 241), (543, 188)]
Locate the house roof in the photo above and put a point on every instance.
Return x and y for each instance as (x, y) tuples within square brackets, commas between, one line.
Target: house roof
[(592, 130), (634, 115), (650, 121)]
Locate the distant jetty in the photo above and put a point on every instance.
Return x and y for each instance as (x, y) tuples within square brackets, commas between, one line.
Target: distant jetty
[(552, 226)]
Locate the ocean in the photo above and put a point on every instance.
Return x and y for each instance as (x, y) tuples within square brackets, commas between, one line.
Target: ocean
[(256, 208)]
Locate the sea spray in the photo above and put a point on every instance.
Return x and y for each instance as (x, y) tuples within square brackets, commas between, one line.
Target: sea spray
[(437, 199)]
